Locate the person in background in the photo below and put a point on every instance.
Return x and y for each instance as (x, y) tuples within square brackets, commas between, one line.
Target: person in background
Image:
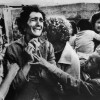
[(84, 39), (86, 89), (2, 23), (1, 57), (73, 34), (95, 21), (58, 32), (5, 85), (30, 83)]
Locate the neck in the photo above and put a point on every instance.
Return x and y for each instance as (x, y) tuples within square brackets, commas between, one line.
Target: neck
[(58, 47), (28, 38)]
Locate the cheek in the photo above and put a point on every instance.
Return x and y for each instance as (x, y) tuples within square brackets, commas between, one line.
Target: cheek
[(32, 24), (42, 24), (97, 26)]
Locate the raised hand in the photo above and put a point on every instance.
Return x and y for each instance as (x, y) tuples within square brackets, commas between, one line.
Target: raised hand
[(42, 61), (30, 50)]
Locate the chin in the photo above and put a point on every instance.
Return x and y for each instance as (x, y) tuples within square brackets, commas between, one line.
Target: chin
[(36, 35)]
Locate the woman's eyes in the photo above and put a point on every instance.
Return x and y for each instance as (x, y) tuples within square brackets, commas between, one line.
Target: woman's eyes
[(37, 19)]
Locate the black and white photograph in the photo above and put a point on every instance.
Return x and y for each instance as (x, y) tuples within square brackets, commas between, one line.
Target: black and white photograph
[(49, 49)]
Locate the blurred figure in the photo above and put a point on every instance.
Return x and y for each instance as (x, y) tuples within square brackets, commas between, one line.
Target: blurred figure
[(95, 21), (2, 23), (73, 34), (1, 55), (84, 39), (58, 33), (5, 85)]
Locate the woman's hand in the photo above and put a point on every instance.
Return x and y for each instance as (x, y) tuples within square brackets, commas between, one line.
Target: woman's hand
[(30, 49), (42, 61)]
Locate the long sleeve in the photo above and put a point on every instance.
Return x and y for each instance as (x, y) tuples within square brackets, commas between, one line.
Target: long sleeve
[(96, 36), (11, 58), (91, 87), (64, 77)]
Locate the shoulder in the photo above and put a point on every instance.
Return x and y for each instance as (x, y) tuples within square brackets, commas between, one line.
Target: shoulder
[(90, 32), (14, 46), (46, 42)]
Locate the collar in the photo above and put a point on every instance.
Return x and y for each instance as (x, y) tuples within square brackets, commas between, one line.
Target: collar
[(22, 42)]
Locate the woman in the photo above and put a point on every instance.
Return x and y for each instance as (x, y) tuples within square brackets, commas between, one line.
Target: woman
[(73, 34), (30, 83), (58, 32), (87, 89), (95, 21)]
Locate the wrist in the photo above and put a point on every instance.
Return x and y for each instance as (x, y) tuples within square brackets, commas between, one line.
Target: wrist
[(52, 67), (11, 76)]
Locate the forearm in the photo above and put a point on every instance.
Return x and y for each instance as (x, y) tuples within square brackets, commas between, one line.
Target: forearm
[(64, 77), (91, 87), (85, 88), (8, 80), (6, 84), (22, 76)]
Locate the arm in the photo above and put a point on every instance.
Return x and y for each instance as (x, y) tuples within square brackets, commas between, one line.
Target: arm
[(4, 88), (10, 58), (90, 87), (97, 36)]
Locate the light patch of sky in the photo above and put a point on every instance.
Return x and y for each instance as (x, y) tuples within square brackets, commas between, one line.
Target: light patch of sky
[(46, 2)]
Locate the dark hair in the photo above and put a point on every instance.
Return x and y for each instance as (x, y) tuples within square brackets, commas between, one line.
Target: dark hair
[(74, 27), (93, 72), (24, 16), (94, 18), (84, 24)]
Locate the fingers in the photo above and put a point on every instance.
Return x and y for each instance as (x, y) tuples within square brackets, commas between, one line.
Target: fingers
[(37, 57), (29, 48), (40, 54)]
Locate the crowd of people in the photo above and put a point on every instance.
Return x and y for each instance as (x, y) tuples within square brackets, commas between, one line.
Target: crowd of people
[(63, 66)]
